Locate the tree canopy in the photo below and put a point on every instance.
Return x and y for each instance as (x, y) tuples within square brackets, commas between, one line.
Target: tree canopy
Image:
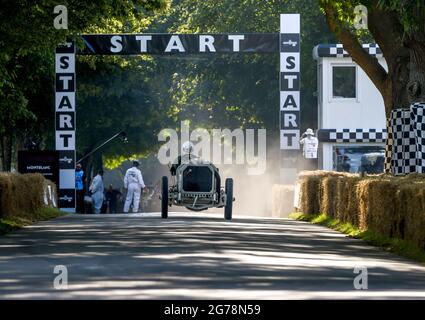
[(397, 26), (28, 40)]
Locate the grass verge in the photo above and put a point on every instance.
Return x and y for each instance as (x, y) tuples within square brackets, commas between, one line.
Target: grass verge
[(9, 224), (398, 246)]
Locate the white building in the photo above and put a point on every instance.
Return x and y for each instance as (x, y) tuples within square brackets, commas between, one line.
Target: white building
[(351, 116)]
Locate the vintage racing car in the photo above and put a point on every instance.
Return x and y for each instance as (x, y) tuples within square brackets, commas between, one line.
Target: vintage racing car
[(197, 186)]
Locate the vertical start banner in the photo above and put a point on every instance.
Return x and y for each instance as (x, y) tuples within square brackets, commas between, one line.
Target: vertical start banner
[(289, 95), (65, 85)]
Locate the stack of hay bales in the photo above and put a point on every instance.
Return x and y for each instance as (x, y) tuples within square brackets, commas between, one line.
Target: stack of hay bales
[(282, 200), (312, 193), (410, 208), (377, 206), (24, 194), (390, 206)]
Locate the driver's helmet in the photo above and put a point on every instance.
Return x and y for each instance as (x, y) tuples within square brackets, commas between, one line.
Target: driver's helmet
[(187, 147)]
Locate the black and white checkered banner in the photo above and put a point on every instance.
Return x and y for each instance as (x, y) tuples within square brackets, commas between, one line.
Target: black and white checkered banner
[(289, 93), (352, 135), (65, 123), (404, 144), (417, 116), (388, 147), (337, 50)]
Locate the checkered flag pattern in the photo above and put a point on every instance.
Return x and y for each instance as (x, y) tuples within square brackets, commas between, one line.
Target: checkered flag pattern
[(404, 144), (417, 115), (388, 148), (337, 50), (352, 135)]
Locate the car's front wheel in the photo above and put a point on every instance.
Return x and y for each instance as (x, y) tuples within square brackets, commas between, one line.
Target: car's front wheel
[(229, 199), (164, 198)]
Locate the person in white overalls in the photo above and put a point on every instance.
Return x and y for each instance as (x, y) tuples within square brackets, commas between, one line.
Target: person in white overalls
[(97, 189), (133, 182), (310, 145)]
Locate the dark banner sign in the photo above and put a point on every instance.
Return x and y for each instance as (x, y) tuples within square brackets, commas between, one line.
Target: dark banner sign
[(132, 44), (43, 162)]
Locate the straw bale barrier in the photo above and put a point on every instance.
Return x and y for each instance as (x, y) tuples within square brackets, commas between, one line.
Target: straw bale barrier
[(24, 194), (388, 205), (282, 200)]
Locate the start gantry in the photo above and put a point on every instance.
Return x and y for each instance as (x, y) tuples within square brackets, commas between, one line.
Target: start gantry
[(125, 44)]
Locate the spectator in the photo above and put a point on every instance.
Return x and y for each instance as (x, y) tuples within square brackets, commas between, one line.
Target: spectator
[(79, 187), (112, 196), (345, 166), (97, 189)]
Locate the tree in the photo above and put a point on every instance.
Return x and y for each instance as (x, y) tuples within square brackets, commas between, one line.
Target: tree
[(27, 42), (398, 27)]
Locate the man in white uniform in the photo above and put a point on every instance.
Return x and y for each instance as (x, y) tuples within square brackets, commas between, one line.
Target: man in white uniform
[(133, 182), (96, 189), (310, 144)]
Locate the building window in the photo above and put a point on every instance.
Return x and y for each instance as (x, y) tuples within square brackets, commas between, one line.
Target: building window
[(344, 82)]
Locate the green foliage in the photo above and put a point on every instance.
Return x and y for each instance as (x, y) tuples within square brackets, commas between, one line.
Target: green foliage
[(118, 95), (238, 90), (408, 13), (407, 10), (28, 40)]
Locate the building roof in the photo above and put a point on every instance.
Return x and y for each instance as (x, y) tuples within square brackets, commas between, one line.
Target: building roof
[(337, 51)]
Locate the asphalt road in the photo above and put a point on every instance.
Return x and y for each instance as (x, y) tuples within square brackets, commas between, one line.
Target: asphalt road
[(197, 256)]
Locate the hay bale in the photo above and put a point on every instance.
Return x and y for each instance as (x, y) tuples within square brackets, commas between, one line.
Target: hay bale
[(347, 201), (377, 209), (5, 193), (20, 193), (341, 199), (312, 189), (282, 200), (329, 194), (411, 203), (390, 206), (309, 182)]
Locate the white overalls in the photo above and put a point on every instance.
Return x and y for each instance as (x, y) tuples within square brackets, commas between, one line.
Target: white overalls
[(133, 182)]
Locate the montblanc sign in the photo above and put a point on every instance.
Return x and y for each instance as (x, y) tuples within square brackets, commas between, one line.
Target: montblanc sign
[(131, 44)]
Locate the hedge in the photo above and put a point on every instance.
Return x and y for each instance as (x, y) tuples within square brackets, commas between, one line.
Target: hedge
[(24, 194), (390, 206)]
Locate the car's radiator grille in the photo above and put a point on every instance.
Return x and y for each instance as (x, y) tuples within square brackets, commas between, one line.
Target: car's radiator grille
[(199, 195), (197, 179)]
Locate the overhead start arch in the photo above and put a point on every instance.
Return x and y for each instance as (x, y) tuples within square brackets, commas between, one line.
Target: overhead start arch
[(287, 44)]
